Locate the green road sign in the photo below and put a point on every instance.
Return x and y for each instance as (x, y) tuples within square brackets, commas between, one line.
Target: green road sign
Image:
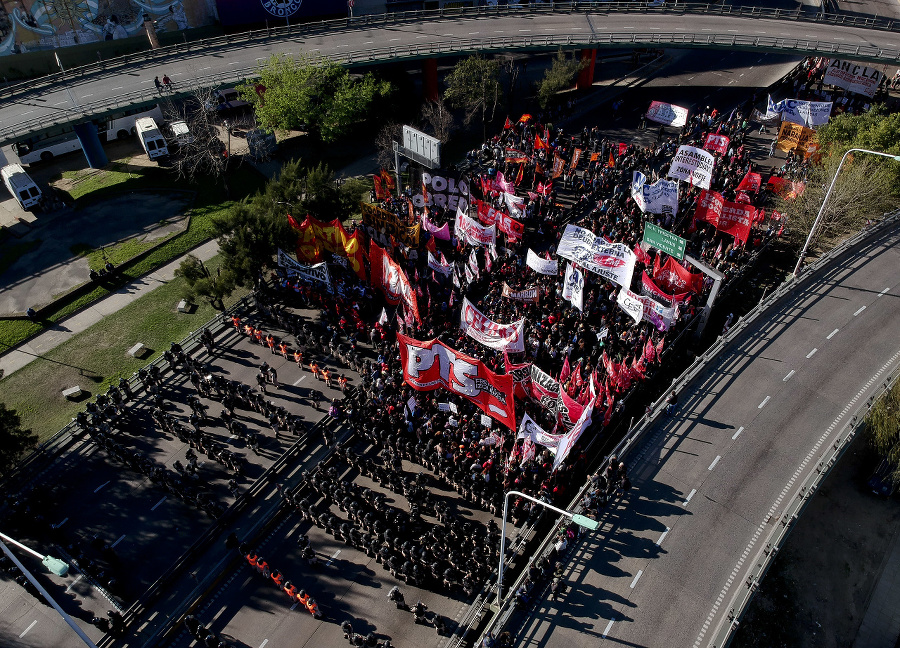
[(55, 565), (585, 522), (664, 240)]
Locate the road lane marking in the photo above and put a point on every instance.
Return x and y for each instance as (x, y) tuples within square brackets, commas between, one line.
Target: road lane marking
[(25, 631), (811, 354), (56, 526), (206, 68), (715, 461), (690, 495), (235, 63), (738, 433), (765, 400), (299, 380), (336, 554), (882, 292), (524, 30), (83, 96), (74, 583), (121, 537), (263, 644), (662, 537), (473, 33), (395, 39), (788, 377), (634, 582), (100, 487), (118, 88), (861, 309), (832, 334), (156, 506), (608, 627)]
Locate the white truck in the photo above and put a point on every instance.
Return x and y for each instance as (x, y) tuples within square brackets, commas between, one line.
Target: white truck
[(21, 186), (151, 138)]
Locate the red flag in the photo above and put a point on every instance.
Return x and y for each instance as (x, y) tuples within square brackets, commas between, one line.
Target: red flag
[(520, 173), (608, 416), (718, 251), (538, 144), (379, 190), (622, 148), (638, 368), (424, 198), (659, 347), (612, 163), (388, 180), (566, 371), (641, 255), (649, 351), (507, 125)]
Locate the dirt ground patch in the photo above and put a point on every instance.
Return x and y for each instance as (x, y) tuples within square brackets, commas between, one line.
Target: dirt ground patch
[(817, 591)]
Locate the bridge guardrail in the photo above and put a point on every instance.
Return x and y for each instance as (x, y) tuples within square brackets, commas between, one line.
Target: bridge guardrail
[(465, 46)]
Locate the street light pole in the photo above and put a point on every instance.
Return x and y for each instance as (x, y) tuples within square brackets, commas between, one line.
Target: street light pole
[(812, 231), (580, 520)]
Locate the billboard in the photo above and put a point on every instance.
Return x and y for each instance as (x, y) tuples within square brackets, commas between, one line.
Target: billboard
[(277, 12)]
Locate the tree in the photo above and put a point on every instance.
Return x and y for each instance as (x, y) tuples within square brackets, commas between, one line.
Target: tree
[(203, 153), (15, 441), (474, 86), (558, 77), (865, 188), (312, 94), (391, 132), (883, 424), (200, 283), (438, 119)]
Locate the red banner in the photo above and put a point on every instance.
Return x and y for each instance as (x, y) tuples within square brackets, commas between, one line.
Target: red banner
[(674, 277), (569, 411), (751, 182), (729, 217), (576, 156), (431, 364), (622, 148), (716, 143), (709, 206), (504, 222), (388, 276), (521, 375), (559, 166), (650, 289)]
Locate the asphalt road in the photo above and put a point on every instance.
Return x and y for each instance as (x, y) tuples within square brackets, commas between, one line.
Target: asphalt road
[(89, 94), (712, 479)]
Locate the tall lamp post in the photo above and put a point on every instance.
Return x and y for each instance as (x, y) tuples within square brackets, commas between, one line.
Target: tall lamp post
[(812, 231), (580, 520)]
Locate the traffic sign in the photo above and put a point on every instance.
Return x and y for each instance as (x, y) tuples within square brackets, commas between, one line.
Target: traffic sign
[(664, 241)]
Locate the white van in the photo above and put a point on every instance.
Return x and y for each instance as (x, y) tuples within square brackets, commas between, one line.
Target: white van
[(181, 134), (151, 139), (20, 185)]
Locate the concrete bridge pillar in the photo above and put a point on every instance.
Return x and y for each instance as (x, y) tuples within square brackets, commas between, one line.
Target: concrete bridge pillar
[(90, 144), (430, 80), (586, 76)]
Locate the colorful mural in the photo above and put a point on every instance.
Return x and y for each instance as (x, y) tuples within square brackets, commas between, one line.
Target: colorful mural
[(29, 25)]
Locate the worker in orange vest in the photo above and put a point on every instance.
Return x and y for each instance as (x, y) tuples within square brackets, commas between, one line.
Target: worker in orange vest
[(298, 358), (326, 376), (314, 368), (252, 558), (302, 597), (248, 331), (258, 336), (342, 382), (290, 589), (277, 578), (270, 342), (237, 322), (313, 608), (283, 349)]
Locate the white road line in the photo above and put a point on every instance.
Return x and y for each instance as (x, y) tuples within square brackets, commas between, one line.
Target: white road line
[(636, 578), (832, 334), (206, 68), (28, 112), (861, 309), (299, 380), (608, 627), (156, 506), (715, 461), (25, 631), (788, 377), (235, 63), (688, 498), (765, 400), (61, 523), (263, 644), (882, 292), (74, 582), (738, 433), (336, 554), (118, 88), (395, 39), (473, 33), (121, 537), (87, 95), (59, 103), (662, 537), (811, 353), (100, 487), (524, 30)]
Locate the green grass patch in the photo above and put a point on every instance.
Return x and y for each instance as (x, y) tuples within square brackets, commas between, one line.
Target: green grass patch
[(35, 391), (242, 181)]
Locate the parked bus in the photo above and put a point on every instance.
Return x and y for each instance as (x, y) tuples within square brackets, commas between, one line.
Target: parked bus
[(20, 185), (123, 125), (151, 139), (43, 148)]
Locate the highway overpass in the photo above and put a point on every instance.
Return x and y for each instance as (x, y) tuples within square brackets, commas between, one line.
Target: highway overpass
[(98, 90)]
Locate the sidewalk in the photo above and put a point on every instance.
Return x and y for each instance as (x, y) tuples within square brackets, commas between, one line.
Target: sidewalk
[(67, 328), (880, 626)]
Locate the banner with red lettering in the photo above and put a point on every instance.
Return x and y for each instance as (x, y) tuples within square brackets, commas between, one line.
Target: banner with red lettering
[(388, 276), (751, 182), (736, 219), (504, 222), (675, 278), (544, 389), (430, 364), (473, 233), (502, 337), (716, 143), (576, 156), (521, 375), (650, 289)]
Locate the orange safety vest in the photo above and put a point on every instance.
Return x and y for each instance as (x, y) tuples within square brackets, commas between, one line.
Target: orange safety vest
[(283, 348), (248, 329), (251, 558), (236, 321), (278, 578), (270, 341), (312, 606), (303, 599), (297, 357), (258, 335), (314, 368), (291, 591), (326, 375)]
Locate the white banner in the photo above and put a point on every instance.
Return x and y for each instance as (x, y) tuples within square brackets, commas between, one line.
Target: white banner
[(805, 113), (660, 316), (541, 266), (444, 268), (693, 165), (317, 272), (659, 198), (573, 286), (666, 113), (853, 77), (569, 440), (631, 304), (473, 233), (613, 261), (528, 429), (515, 205), (503, 337)]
